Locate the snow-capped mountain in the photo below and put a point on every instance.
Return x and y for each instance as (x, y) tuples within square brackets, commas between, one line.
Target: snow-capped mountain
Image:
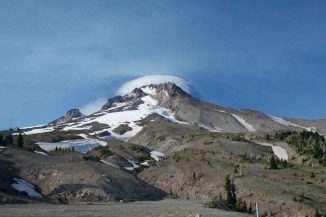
[(122, 117)]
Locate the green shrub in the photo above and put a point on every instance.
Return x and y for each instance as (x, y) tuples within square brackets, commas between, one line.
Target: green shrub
[(106, 152)]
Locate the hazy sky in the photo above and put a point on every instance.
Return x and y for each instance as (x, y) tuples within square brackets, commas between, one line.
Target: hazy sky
[(265, 55)]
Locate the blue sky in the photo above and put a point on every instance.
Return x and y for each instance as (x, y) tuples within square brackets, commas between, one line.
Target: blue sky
[(264, 55)]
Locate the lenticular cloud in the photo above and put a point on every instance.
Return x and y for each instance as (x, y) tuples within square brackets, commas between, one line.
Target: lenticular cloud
[(153, 79), (93, 106)]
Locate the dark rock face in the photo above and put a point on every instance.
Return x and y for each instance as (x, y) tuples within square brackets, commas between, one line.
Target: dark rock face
[(172, 89), (112, 101), (105, 133), (71, 114), (138, 93), (122, 129), (74, 113)]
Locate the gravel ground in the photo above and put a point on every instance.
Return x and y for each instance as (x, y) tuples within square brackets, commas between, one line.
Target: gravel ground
[(163, 208)]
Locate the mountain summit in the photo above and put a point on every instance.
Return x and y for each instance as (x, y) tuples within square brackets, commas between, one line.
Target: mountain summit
[(70, 115)]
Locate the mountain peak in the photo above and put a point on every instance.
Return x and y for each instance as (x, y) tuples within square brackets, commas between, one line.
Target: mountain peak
[(74, 113), (70, 115), (129, 86)]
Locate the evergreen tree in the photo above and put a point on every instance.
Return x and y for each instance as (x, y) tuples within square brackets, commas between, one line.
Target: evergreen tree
[(2, 142), (267, 137), (9, 140), (250, 209), (239, 204), (265, 214), (317, 214), (318, 152), (227, 188), (230, 191), (284, 163), (244, 207), (20, 140), (312, 174), (273, 163), (234, 198), (194, 175)]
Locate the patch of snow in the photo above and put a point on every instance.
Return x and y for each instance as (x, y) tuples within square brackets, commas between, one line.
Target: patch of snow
[(166, 93), (128, 134), (29, 127), (83, 135), (133, 163), (221, 111), (41, 152), (37, 131), (157, 155), (152, 79), (280, 152), (145, 163), (24, 186), (215, 129), (75, 127), (108, 163), (149, 99), (312, 129), (129, 168), (2, 147), (149, 90), (244, 123), (80, 145), (287, 123), (117, 105)]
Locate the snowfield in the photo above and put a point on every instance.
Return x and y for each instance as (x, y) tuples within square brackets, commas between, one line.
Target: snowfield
[(24, 186), (76, 128), (280, 152), (284, 122), (37, 131), (36, 126), (80, 145), (248, 126), (242, 121), (129, 117), (112, 120)]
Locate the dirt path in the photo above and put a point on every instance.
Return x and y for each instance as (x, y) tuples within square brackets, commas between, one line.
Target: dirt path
[(164, 208)]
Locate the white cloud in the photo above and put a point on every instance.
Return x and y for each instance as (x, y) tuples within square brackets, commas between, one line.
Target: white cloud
[(94, 106), (153, 79)]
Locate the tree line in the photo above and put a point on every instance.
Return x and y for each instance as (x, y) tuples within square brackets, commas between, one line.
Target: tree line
[(309, 143), (9, 140)]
